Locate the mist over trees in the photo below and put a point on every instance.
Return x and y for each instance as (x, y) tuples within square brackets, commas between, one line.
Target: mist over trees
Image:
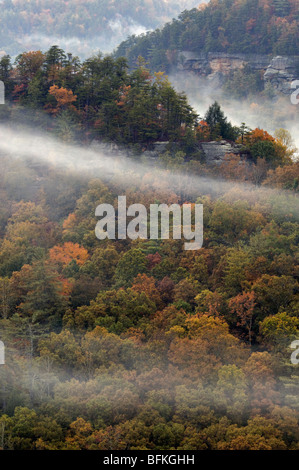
[(140, 344), (101, 99), (84, 27)]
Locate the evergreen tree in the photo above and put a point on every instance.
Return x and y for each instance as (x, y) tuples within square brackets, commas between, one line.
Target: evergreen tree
[(217, 121)]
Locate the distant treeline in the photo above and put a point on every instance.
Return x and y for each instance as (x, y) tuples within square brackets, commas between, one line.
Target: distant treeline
[(246, 26)]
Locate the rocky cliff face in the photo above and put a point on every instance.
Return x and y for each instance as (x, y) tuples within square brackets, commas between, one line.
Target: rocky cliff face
[(215, 152), (278, 72), (281, 72)]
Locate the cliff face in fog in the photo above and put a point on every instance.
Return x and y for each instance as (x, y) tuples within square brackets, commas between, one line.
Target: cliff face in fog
[(278, 72), (281, 72)]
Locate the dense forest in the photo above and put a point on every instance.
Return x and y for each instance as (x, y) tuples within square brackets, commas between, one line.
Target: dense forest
[(98, 97), (140, 344), (232, 26), (101, 99), (83, 25)]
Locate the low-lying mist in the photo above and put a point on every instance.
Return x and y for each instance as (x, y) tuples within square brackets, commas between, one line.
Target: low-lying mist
[(123, 172), (83, 385), (268, 114)]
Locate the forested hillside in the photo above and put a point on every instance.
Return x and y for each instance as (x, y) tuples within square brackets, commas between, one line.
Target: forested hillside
[(101, 99), (139, 344), (248, 26), (96, 98)]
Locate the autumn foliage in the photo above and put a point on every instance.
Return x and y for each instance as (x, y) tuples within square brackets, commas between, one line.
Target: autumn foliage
[(68, 252), (64, 98)]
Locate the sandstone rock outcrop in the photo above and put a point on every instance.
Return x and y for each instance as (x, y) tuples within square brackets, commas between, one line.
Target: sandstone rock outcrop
[(278, 72), (215, 152)]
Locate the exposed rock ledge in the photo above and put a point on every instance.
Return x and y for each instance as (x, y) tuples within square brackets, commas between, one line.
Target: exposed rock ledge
[(279, 72), (213, 152)]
